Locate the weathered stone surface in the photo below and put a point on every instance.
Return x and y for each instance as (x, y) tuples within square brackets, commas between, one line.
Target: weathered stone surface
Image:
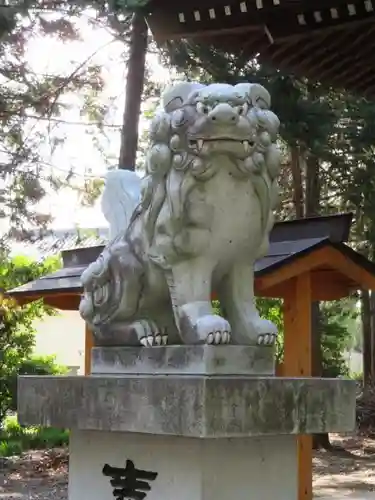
[(187, 360), (255, 468), (196, 224), (189, 405)]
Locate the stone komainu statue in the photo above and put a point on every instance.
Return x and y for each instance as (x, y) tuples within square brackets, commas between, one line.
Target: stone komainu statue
[(196, 224)]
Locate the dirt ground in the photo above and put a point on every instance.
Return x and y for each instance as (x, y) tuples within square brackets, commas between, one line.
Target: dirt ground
[(350, 475)]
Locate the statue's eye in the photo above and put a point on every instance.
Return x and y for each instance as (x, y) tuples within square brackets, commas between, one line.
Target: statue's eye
[(243, 109), (203, 108)]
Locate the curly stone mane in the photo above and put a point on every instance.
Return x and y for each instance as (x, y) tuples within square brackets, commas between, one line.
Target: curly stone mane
[(173, 171)]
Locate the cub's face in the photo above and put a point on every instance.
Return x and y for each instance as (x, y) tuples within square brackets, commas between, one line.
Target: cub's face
[(216, 120)]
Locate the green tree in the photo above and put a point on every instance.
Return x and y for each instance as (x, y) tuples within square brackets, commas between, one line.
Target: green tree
[(336, 337), (16, 324), (29, 103), (272, 309), (32, 105)]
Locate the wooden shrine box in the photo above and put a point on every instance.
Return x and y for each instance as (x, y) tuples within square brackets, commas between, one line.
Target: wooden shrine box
[(308, 261)]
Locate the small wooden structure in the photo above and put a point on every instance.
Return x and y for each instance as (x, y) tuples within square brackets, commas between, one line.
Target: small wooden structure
[(308, 261), (331, 41)]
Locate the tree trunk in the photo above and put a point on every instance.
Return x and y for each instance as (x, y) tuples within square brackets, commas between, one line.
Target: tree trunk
[(312, 198), (372, 330), (319, 440), (312, 208), (134, 90), (366, 332), (297, 181)]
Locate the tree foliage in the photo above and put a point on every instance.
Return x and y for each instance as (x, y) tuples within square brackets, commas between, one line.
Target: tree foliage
[(17, 324), (325, 127), (33, 106), (28, 104), (336, 337)]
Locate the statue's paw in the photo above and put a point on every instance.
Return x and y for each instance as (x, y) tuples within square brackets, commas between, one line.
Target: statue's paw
[(149, 334), (213, 329), (267, 332)]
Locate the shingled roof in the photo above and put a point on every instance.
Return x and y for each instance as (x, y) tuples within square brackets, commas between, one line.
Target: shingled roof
[(289, 241), (49, 243)]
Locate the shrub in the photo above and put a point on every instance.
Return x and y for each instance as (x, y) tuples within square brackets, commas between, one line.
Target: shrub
[(14, 439), (35, 365)]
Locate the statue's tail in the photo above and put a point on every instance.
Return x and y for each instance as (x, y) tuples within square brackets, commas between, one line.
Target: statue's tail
[(121, 195)]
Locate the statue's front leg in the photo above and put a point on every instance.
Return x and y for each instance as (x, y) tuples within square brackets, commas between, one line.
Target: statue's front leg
[(190, 289), (238, 303)]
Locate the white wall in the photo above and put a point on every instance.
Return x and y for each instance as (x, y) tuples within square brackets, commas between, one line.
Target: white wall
[(64, 336)]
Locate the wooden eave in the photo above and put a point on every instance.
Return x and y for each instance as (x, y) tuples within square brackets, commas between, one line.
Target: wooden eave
[(341, 58), (327, 40), (336, 271), (61, 289), (62, 301), (283, 18)]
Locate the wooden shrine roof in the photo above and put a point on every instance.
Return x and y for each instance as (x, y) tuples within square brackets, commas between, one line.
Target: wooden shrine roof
[(308, 245), (327, 40)]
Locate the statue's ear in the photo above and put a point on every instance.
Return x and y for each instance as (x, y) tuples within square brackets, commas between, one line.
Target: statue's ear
[(256, 94), (174, 96)]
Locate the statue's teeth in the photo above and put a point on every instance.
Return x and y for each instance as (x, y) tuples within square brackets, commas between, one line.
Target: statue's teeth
[(246, 146), (105, 292), (98, 294), (200, 143)]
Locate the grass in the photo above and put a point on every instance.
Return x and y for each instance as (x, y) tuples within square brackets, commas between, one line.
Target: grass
[(15, 439)]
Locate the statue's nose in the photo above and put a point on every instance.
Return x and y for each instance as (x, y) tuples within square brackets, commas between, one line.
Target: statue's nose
[(223, 114)]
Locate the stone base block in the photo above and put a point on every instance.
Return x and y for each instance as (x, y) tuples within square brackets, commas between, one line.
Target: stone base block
[(190, 406), (184, 360), (188, 469)]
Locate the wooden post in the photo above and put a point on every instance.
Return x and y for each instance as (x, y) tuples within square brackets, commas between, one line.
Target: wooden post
[(89, 342), (298, 363), (134, 89)]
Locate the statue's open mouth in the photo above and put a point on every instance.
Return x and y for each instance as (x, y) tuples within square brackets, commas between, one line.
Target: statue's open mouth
[(198, 144)]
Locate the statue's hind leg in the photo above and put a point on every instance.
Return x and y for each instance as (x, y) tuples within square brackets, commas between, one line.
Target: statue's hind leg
[(150, 326), (119, 333), (132, 325), (237, 299)]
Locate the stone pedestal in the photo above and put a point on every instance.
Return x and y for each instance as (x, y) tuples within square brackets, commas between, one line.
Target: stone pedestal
[(184, 413), (188, 469), (182, 360)]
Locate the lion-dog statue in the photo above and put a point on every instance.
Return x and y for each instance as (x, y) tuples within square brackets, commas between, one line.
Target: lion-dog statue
[(194, 225)]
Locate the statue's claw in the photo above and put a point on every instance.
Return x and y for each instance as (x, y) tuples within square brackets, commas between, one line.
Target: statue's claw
[(267, 332), (225, 337), (213, 329), (267, 339), (149, 334), (218, 338)]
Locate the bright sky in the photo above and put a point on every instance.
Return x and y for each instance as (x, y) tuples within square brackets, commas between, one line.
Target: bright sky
[(78, 151)]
